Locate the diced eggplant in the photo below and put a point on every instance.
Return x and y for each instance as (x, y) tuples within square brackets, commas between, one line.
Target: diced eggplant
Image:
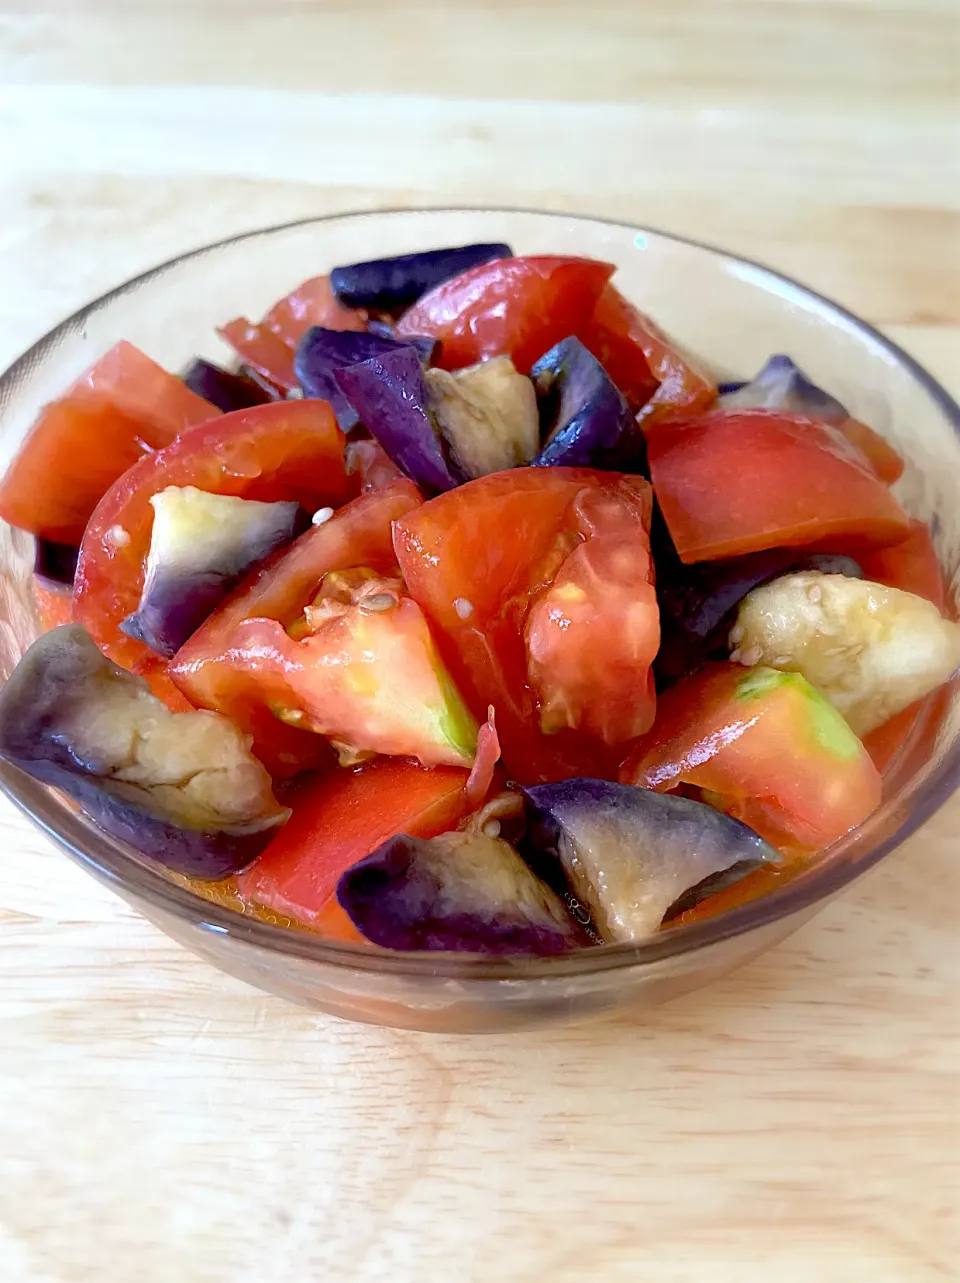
[(487, 414), (459, 891), (585, 416), (55, 563), (782, 385), (321, 352), (201, 546), (635, 857), (871, 650), (389, 393), (183, 788), (224, 390), (698, 602), (392, 284), (427, 347)]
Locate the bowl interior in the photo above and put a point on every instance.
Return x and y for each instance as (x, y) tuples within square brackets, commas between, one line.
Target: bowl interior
[(731, 312)]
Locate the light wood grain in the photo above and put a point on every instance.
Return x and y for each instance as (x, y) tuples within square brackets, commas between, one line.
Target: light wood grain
[(800, 1120)]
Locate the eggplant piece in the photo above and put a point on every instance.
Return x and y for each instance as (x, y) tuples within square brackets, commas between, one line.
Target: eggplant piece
[(635, 857), (183, 788), (393, 284), (201, 546), (698, 602), (389, 393), (585, 415), (460, 891), (321, 352), (869, 649), (782, 385), (428, 348), (55, 563), (221, 388), (487, 414)]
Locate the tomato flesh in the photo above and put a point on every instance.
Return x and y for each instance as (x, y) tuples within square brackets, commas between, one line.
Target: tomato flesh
[(516, 307), (769, 747), (880, 454), (54, 605), (476, 583), (912, 565), (269, 346), (215, 670), (337, 820), (645, 366), (285, 451), (124, 407), (732, 482)]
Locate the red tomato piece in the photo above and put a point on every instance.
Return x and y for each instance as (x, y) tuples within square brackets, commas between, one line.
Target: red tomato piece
[(291, 450), (269, 346), (731, 482), (516, 307), (368, 461), (881, 455), (337, 820), (54, 605), (125, 406), (262, 350), (645, 366), (312, 303), (912, 565), (476, 557), (154, 672), (214, 671), (769, 749)]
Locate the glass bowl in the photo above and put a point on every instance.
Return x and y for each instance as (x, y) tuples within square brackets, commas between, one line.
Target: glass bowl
[(731, 312)]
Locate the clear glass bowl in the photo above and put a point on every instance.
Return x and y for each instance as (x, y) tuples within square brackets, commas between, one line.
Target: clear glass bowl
[(731, 312)]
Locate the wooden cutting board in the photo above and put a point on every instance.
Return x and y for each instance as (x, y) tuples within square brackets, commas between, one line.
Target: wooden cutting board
[(160, 1122)]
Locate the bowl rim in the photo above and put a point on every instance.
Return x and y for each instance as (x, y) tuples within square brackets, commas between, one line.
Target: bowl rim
[(116, 866)]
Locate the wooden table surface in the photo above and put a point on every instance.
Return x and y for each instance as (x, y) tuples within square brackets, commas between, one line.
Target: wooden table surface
[(161, 1122)]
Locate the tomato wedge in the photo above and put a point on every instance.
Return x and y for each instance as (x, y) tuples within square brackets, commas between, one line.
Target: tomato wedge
[(516, 307), (54, 605), (739, 481), (214, 669), (768, 748), (477, 587), (269, 346), (337, 820), (289, 450), (645, 366), (912, 565), (880, 454), (123, 407)]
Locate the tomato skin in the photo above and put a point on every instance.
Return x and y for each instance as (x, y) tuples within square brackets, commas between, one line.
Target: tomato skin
[(477, 585), (516, 307), (912, 565), (337, 820), (290, 450), (269, 346), (764, 753), (212, 668), (739, 481), (644, 365), (123, 407)]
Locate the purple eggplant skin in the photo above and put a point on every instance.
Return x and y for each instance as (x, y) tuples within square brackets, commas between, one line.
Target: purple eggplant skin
[(698, 603), (393, 284), (465, 892), (55, 564), (427, 347), (634, 857), (321, 352), (221, 388), (782, 385), (188, 574), (583, 412), (390, 396), (47, 707)]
